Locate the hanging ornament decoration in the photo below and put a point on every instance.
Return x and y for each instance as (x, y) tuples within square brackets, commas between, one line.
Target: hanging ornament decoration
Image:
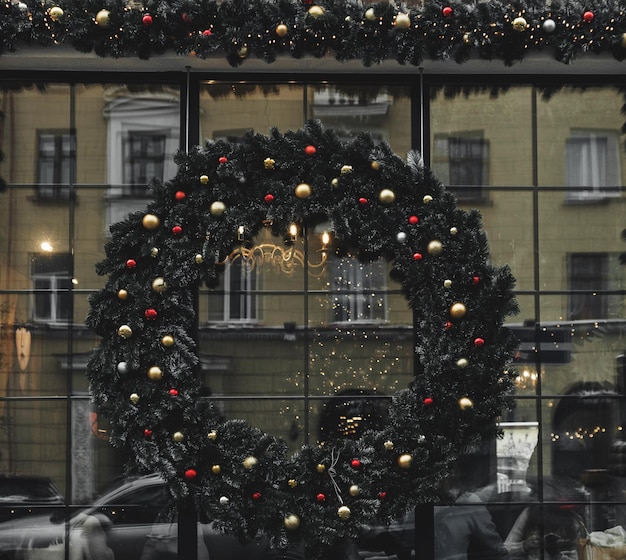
[(103, 18), (549, 25), (316, 11), (402, 21), (588, 16), (217, 208), (520, 24), (447, 11), (143, 376), (303, 190), (147, 20), (282, 30), (55, 13)]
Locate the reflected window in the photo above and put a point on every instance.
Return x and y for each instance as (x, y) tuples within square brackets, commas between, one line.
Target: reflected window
[(358, 291), (240, 301), (588, 271), (592, 162), (461, 160), (52, 283), (56, 153), (144, 158)]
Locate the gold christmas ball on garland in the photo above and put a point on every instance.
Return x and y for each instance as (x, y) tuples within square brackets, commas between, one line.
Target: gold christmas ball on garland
[(303, 190), (250, 462), (167, 341), (387, 196), (134, 398), (55, 13), (155, 373), (316, 11), (402, 21), (122, 294), (282, 30), (405, 460), (159, 285), (435, 248), (216, 469), (465, 403), (125, 331), (344, 513), (178, 437), (291, 522), (217, 208), (103, 18), (458, 310), (520, 24)]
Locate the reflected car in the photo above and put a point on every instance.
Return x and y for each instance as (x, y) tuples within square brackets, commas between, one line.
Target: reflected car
[(22, 495), (120, 525)]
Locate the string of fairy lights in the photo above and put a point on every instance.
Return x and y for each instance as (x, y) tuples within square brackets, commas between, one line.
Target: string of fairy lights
[(266, 29)]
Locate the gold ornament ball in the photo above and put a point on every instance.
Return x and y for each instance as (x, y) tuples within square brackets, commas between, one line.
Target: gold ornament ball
[(447, 283), (212, 435), (250, 462), (178, 436), (354, 490), (281, 30), (465, 403), (467, 38), (462, 363), (134, 398), (150, 221), (159, 285), (346, 169), (125, 331), (168, 341), (403, 21), (216, 469), (458, 310), (122, 294), (303, 190), (519, 24), (204, 179), (55, 13), (291, 522), (453, 230), (103, 18), (370, 14), (154, 252), (427, 199), (320, 468), (388, 445), (155, 373), (269, 163), (435, 248), (243, 51), (375, 165), (405, 460), (199, 258), (316, 11), (344, 512), (387, 196), (217, 208), (335, 182), (292, 483)]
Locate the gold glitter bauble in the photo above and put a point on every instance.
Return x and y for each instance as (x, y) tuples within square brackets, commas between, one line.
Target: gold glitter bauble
[(453, 230), (344, 512), (216, 469), (204, 179), (167, 341), (389, 445), (243, 51), (250, 462), (269, 163), (217, 208), (134, 398), (292, 483), (150, 221), (291, 522), (303, 190), (458, 310), (354, 490), (199, 259), (520, 24), (55, 13), (447, 283), (212, 435), (465, 403), (316, 11), (462, 362), (321, 467), (335, 182), (427, 199), (405, 460), (155, 373), (103, 18), (346, 169), (281, 30), (435, 247), (154, 252), (122, 294), (375, 165), (387, 196), (178, 436), (159, 285), (370, 14), (623, 40), (403, 21), (125, 331)]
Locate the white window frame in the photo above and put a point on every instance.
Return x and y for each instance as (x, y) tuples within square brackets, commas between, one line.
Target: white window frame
[(59, 284), (248, 285)]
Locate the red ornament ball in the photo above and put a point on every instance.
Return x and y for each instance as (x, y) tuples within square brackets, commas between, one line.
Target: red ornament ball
[(223, 160), (150, 314), (428, 401), (449, 325), (382, 495), (131, 263), (310, 150), (447, 11), (321, 497), (147, 433), (417, 256), (190, 474), (257, 496), (307, 2), (180, 195), (207, 33), (363, 201), (147, 20), (478, 342), (355, 464), (186, 17), (174, 392), (269, 198), (413, 220), (475, 280), (177, 230), (588, 16)]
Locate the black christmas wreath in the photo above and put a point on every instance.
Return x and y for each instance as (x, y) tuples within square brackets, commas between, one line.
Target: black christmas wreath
[(143, 374)]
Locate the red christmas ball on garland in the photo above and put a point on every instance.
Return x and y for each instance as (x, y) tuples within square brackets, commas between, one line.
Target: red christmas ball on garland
[(147, 433), (131, 263), (321, 497), (363, 201), (478, 342), (223, 160), (257, 496), (190, 474), (588, 16), (355, 464), (310, 150), (269, 198), (173, 392), (177, 230), (147, 20), (413, 220), (207, 33), (180, 195), (447, 11), (417, 256), (150, 314), (428, 401)]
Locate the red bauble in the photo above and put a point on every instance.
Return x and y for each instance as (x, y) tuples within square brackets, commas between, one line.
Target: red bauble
[(223, 159), (382, 495), (417, 256), (147, 20), (413, 220), (310, 150), (478, 342), (363, 201), (177, 230), (207, 32), (428, 401), (307, 2), (588, 16), (321, 497), (174, 392), (257, 496), (147, 433), (355, 464), (449, 325), (186, 17), (150, 314), (475, 280), (447, 11), (190, 474), (131, 263), (180, 195), (269, 198)]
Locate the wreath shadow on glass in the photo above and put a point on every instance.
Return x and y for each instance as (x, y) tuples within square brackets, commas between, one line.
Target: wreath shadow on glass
[(143, 375)]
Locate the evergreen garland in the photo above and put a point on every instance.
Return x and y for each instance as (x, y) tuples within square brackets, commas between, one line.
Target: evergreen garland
[(345, 29), (378, 206)]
